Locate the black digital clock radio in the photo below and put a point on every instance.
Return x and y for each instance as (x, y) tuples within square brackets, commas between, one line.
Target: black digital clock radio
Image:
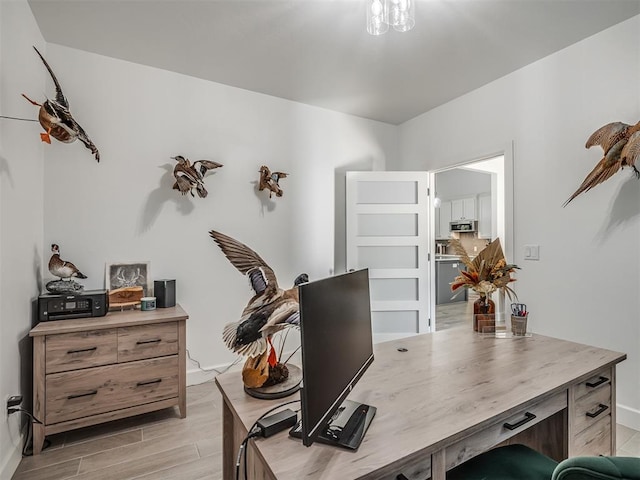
[(92, 303)]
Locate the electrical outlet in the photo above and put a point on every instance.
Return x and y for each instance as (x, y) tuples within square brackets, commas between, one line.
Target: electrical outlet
[(13, 402)]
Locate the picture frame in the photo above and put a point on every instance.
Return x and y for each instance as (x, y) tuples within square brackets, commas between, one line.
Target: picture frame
[(128, 274)]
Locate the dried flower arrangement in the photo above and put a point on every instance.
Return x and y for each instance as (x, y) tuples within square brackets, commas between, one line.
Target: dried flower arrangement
[(486, 273)]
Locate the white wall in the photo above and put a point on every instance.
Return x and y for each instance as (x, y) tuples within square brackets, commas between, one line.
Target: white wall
[(123, 209), (586, 285), (459, 182), (21, 220)]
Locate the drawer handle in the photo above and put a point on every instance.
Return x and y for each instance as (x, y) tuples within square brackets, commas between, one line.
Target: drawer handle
[(144, 342), (601, 408), (528, 416), (81, 350), (78, 395), (600, 381), (141, 384)]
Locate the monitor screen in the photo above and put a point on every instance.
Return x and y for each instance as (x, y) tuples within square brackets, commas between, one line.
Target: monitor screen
[(337, 347)]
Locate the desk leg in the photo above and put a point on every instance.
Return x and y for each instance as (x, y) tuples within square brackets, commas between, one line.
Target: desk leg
[(182, 368), (38, 393), (438, 465), (228, 446)]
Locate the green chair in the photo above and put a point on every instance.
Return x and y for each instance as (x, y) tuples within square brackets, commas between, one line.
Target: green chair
[(518, 462)]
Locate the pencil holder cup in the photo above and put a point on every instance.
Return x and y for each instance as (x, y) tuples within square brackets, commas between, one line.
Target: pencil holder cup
[(519, 325)]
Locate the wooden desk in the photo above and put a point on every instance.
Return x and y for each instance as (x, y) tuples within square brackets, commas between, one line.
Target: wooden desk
[(92, 370), (443, 402)]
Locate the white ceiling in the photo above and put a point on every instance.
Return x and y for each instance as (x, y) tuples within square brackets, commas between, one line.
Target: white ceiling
[(318, 52)]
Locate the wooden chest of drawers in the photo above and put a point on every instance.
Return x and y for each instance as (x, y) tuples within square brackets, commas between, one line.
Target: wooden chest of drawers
[(92, 370), (592, 415)]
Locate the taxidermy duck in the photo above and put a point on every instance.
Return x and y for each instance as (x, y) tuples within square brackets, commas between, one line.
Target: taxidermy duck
[(620, 143), (270, 181), (61, 268), (190, 176), (56, 119), (270, 310)]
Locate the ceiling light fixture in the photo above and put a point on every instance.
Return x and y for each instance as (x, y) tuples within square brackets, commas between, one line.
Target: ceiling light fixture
[(400, 14)]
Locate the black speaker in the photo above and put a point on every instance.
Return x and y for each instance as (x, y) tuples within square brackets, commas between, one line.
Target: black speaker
[(165, 292)]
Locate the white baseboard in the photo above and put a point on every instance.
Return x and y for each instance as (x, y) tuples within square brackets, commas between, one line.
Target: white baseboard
[(627, 416), (12, 460)]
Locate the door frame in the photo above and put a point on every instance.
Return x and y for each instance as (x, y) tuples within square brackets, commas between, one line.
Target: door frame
[(506, 234)]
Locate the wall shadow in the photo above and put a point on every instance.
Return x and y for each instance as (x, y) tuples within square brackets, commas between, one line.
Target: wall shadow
[(5, 171), (340, 210), (624, 209), (266, 203), (160, 196)]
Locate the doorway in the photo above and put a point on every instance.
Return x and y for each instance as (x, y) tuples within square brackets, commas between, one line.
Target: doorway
[(471, 196)]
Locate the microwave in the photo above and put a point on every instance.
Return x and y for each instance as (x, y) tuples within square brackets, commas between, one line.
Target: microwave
[(463, 226)]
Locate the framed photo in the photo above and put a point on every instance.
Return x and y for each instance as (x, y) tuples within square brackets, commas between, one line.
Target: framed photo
[(133, 274)]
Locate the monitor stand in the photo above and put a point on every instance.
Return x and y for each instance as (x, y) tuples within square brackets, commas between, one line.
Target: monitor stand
[(347, 426)]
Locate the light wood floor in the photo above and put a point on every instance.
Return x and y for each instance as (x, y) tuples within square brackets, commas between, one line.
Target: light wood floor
[(160, 445)]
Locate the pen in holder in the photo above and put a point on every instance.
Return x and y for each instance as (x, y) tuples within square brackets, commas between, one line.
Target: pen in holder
[(519, 324)]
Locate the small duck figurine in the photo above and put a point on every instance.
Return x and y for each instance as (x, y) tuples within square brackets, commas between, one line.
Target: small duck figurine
[(270, 181), (61, 268), (270, 310), (620, 143), (190, 176), (56, 119)]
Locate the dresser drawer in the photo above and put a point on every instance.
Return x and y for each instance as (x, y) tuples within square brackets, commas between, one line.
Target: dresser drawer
[(598, 381), (594, 440), (71, 351), (81, 393), (493, 435), (589, 408), (147, 341)]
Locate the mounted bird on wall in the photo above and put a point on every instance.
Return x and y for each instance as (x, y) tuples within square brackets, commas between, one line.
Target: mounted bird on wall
[(63, 269), (270, 310), (270, 181), (56, 119), (190, 176), (620, 143)]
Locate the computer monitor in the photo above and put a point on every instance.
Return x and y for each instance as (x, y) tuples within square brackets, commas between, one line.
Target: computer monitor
[(337, 348)]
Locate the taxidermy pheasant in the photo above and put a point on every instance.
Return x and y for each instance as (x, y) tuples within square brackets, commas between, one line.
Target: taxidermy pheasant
[(620, 143), (61, 268), (270, 310), (56, 119), (190, 176), (270, 181)]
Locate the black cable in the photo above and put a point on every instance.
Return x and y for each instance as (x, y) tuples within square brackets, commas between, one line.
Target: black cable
[(27, 448), (254, 433), (18, 409)]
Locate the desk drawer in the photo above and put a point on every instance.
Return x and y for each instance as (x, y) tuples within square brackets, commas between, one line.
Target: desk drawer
[(590, 408), (492, 435), (82, 393), (71, 351), (594, 440), (598, 381), (147, 341)]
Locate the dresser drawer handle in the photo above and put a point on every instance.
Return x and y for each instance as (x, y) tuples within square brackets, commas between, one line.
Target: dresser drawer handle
[(528, 416), (78, 395), (81, 350), (600, 381), (144, 342), (141, 384), (601, 408)]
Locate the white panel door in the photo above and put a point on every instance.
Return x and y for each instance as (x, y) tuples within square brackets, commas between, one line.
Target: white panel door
[(387, 232)]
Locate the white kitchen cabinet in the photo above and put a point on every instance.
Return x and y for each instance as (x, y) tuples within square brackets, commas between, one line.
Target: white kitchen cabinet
[(485, 227), (443, 217), (463, 209)]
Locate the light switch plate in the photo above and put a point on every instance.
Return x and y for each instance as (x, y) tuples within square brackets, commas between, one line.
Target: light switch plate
[(532, 252)]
